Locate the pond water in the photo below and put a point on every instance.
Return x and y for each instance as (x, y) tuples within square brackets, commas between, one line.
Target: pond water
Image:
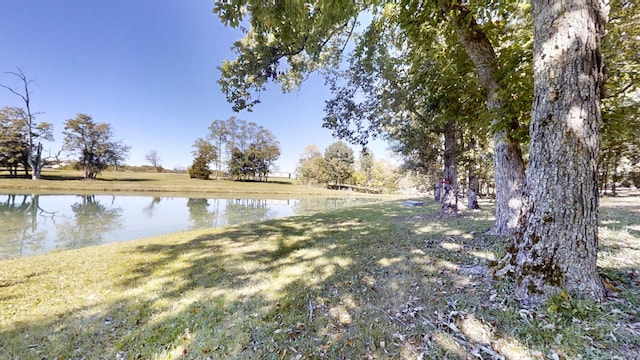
[(36, 224)]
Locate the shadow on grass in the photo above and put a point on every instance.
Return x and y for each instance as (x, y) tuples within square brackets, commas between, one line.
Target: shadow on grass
[(380, 281)]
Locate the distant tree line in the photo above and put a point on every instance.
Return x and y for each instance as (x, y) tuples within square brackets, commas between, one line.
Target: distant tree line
[(245, 150), (337, 167), (91, 142), (21, 138)]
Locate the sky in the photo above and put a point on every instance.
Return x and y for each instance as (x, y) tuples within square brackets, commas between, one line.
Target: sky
[(148, 68)]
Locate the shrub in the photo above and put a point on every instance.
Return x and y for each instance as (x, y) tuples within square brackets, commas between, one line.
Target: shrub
[(199, 169)]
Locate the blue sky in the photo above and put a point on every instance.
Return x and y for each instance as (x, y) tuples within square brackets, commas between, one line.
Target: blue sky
[(149, 68)]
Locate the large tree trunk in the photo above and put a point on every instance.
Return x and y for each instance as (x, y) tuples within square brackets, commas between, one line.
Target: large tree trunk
[(36, 162), (557, 248), (507, 158), (509, 179), (450, 183)]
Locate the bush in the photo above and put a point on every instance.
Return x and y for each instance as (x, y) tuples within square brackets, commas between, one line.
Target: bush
[(199, 169)]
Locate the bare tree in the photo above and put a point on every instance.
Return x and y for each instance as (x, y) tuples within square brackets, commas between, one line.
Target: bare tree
[(154, 159), (33, 130)]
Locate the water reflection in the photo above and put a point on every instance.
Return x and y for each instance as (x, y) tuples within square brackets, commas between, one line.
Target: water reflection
[(90, 221), (31, 224), (148, 210), (200, 215), (258, 209), (20, 232)]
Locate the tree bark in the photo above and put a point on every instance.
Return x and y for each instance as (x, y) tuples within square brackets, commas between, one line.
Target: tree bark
[(614, 177), (472, 179), (556, 250), (507, 158), (450, 181)]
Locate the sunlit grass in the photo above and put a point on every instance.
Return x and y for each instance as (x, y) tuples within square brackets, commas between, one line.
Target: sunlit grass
[(378, 281), (64, 181)]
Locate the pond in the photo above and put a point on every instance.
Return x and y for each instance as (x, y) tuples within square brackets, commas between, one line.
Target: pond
[(35, 224)]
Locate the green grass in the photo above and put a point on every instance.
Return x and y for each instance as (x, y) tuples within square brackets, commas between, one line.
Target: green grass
[(61, 181), (377, 281)]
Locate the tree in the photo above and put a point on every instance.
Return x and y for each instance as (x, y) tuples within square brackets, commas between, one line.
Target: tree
[(556, 249), (339, 161), (313, 36), (267, 150), (13, 144), (311, 168), (32, 129), (204, 155), (219, 133), (94, 144), (91, 220), (118, 153), (154, 159), (449, 194), (621, 107), (508, 162), (365, 171), (252, 149)]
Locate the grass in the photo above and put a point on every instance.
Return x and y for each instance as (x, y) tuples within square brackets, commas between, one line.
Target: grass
[(61, 181), (378, 281)]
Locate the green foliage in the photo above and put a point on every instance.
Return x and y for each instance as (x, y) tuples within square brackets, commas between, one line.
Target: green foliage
[(205, 150), (374, 175), (30, 129), (13, 143), (284, 43), (620, 145), (204, 154), (93, 143), (251, 149), (16, 135), (200, 168), (311, 168), (241, 164), (339, 162)]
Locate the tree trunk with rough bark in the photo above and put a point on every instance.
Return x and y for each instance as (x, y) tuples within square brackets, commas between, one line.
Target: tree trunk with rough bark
[(473, 184), (36, 163), (507, 158), (556, 249), (509, 176), (450, 181)]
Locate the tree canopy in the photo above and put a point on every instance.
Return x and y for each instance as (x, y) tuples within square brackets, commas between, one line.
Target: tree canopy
[(339, 162), (94, 145), (249, 148), (410, 70), (30, 129)]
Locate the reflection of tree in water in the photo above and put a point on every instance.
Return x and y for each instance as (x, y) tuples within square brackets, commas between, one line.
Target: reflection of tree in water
[(148, 210), (200, 215), (91, 220), (245, 210), (20, 231)]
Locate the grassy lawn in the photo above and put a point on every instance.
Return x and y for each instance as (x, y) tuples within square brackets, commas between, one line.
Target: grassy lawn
[(378, 281), (71, 181)]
